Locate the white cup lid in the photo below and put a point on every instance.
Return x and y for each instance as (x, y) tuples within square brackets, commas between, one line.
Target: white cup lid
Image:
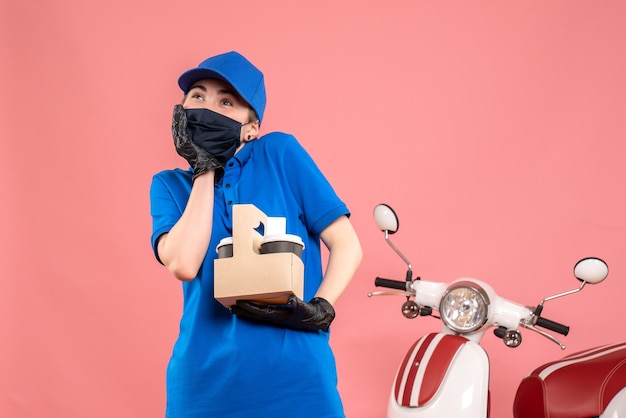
[(225, 241)]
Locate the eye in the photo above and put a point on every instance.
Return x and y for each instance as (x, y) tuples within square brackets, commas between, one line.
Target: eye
[(226, 102), (197, 96)]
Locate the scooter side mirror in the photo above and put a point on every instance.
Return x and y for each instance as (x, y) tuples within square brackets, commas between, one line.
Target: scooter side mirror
[(386, 219), (588, 270), (591, 270)]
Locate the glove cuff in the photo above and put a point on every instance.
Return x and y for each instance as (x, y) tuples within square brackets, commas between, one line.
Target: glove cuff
[(326, 307)]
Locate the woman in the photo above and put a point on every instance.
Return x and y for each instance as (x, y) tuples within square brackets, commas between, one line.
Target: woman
[(251, 360)]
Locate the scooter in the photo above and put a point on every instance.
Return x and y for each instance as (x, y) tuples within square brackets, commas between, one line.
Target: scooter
[(446, 374)]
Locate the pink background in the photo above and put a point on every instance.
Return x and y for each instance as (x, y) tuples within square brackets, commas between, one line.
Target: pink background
[(496, 129)]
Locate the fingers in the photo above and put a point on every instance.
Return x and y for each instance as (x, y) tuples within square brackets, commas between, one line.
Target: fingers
[(259, 310)]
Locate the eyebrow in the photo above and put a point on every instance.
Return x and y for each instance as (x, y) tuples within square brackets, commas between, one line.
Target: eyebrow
[(219, 91)]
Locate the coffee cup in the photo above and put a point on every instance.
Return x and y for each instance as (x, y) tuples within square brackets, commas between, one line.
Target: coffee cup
[(225, 248), (282, 243)]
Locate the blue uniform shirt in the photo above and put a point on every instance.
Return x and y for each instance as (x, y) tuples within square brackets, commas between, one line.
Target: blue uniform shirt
[(223, 366)]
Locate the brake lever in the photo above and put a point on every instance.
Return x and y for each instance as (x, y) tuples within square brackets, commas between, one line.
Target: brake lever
[(541, 332), (389, 293)]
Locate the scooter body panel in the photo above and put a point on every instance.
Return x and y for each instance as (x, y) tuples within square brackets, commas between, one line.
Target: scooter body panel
[(442, 375), (581, 384)]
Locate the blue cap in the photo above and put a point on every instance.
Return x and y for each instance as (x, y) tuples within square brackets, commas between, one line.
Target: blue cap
[(236, 70)]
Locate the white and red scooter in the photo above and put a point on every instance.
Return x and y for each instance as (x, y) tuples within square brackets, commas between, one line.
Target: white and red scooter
[(446, 374)]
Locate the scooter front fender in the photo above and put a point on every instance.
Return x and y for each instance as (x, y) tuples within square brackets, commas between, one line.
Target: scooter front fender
[(441, 376)]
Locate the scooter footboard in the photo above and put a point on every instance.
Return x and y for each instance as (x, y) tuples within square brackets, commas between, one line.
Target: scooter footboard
[(441, 375), (581, 384)]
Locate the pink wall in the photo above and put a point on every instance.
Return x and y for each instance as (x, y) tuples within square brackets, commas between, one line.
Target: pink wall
[(495, 129)]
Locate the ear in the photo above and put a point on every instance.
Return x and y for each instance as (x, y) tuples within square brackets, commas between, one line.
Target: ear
[(250, 132)]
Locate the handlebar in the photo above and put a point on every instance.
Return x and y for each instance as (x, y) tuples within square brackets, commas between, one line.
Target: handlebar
[(552, 326), (541, 322), (391, 284)]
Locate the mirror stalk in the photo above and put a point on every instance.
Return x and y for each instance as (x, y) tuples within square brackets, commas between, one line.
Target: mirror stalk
[(409, 273)]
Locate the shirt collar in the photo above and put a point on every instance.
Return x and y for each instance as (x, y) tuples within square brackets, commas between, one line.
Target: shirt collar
[(244, 153)]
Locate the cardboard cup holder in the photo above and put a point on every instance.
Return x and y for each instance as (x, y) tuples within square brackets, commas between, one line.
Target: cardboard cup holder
[(265, 267)]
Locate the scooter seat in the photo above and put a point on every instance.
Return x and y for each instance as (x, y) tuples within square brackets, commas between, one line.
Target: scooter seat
[(579, 385)]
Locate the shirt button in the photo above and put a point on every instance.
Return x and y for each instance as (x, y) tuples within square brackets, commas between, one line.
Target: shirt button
[(230, 202), (230, 164), (228, 186)]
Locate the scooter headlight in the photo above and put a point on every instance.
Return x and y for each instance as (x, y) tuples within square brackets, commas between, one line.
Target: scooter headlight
[(464, 307)]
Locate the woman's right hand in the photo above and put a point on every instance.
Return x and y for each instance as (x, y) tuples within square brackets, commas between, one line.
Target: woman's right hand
[(200, 160)]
